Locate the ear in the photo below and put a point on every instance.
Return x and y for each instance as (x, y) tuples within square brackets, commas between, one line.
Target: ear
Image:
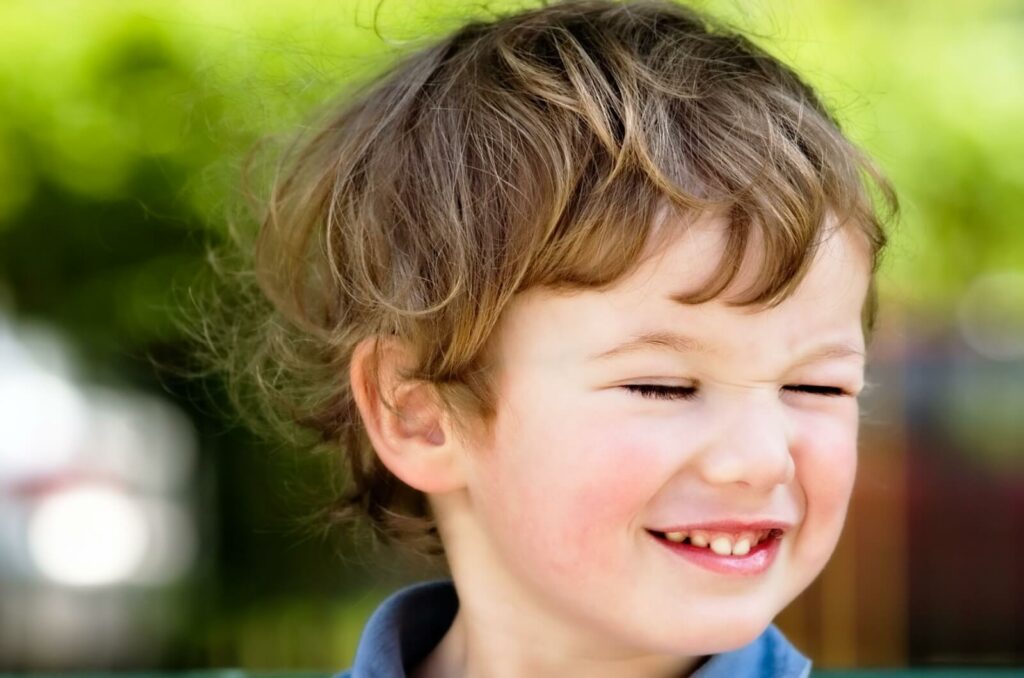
[(413, 440)]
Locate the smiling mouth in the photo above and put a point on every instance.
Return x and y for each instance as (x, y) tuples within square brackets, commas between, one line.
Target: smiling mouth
[(721, 543)]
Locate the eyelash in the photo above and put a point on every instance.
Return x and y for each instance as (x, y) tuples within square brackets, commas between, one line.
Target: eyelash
[(662, 392)]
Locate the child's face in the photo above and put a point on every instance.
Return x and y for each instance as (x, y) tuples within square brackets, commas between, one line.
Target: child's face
[(581, 468)]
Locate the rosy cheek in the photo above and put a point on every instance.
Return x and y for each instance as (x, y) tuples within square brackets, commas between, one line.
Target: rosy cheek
[(826, 460), (825, 452), (591, 499)]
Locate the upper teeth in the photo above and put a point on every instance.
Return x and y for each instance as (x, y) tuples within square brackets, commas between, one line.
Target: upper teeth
[(722, 544)]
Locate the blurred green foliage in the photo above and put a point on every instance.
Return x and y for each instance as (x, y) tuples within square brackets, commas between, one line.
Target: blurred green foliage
[(124, 125)]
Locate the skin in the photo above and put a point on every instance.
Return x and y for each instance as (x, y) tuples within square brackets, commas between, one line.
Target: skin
[(544, 523)]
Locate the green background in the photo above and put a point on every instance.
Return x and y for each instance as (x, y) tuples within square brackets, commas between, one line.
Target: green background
[(123, 128)]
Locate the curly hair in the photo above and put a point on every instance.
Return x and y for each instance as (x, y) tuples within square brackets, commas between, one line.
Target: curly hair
[(535, 149)]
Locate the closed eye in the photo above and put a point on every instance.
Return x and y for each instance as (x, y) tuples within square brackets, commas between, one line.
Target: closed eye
[(662, 392), (817, 390)]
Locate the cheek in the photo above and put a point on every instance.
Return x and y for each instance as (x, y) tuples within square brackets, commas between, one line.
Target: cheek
[(572, 490), (826, 460), (608, 495)]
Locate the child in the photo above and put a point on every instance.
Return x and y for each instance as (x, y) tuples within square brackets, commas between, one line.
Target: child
[(582, 294)]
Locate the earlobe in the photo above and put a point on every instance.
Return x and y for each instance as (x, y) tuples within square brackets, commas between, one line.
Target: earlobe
[(406, 424)]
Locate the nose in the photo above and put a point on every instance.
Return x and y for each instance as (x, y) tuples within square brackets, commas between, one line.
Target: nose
[(752, 448)]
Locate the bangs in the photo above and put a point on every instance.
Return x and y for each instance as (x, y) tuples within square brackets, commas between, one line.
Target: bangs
[(609, 134)]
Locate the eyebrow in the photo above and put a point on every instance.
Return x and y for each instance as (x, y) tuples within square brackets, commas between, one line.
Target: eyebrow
[(680, 343)]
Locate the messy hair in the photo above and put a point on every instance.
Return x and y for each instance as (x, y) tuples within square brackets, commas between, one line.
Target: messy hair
[(537, 149)]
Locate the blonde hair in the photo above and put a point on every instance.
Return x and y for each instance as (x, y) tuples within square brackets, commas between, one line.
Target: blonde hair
[(532, 150)]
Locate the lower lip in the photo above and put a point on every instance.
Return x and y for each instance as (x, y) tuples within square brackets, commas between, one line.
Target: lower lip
[(753, 563)]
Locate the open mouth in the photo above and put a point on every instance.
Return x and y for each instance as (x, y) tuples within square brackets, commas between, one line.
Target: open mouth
[(745, 554), (720, 543)]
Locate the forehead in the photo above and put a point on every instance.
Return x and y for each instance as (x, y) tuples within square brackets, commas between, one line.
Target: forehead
[(828, 301), (687, 256)]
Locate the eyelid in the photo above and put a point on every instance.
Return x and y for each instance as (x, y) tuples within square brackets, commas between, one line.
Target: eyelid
[(817, 389), (662, 391), (673, 392)]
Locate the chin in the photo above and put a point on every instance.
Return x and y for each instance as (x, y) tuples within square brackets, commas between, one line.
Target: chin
[(713, 636), (732, 636)]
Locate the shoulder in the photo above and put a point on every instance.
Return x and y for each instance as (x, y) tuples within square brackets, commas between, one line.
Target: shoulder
[(770, 655), (403, 630)]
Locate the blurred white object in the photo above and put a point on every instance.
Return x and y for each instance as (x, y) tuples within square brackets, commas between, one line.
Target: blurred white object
[(88, 536), (97, 510), (42, 415), (93, 479)]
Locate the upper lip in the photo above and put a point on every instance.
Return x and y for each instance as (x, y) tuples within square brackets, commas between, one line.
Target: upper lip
[(729, 526)]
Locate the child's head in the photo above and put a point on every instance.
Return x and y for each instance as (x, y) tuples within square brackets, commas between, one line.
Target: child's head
[(506, 235)]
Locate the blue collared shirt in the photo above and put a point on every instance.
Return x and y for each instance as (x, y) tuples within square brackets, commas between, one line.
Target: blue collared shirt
[(410, 624)]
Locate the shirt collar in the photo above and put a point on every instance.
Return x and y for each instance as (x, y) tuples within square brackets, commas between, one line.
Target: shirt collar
[(412, 621)]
